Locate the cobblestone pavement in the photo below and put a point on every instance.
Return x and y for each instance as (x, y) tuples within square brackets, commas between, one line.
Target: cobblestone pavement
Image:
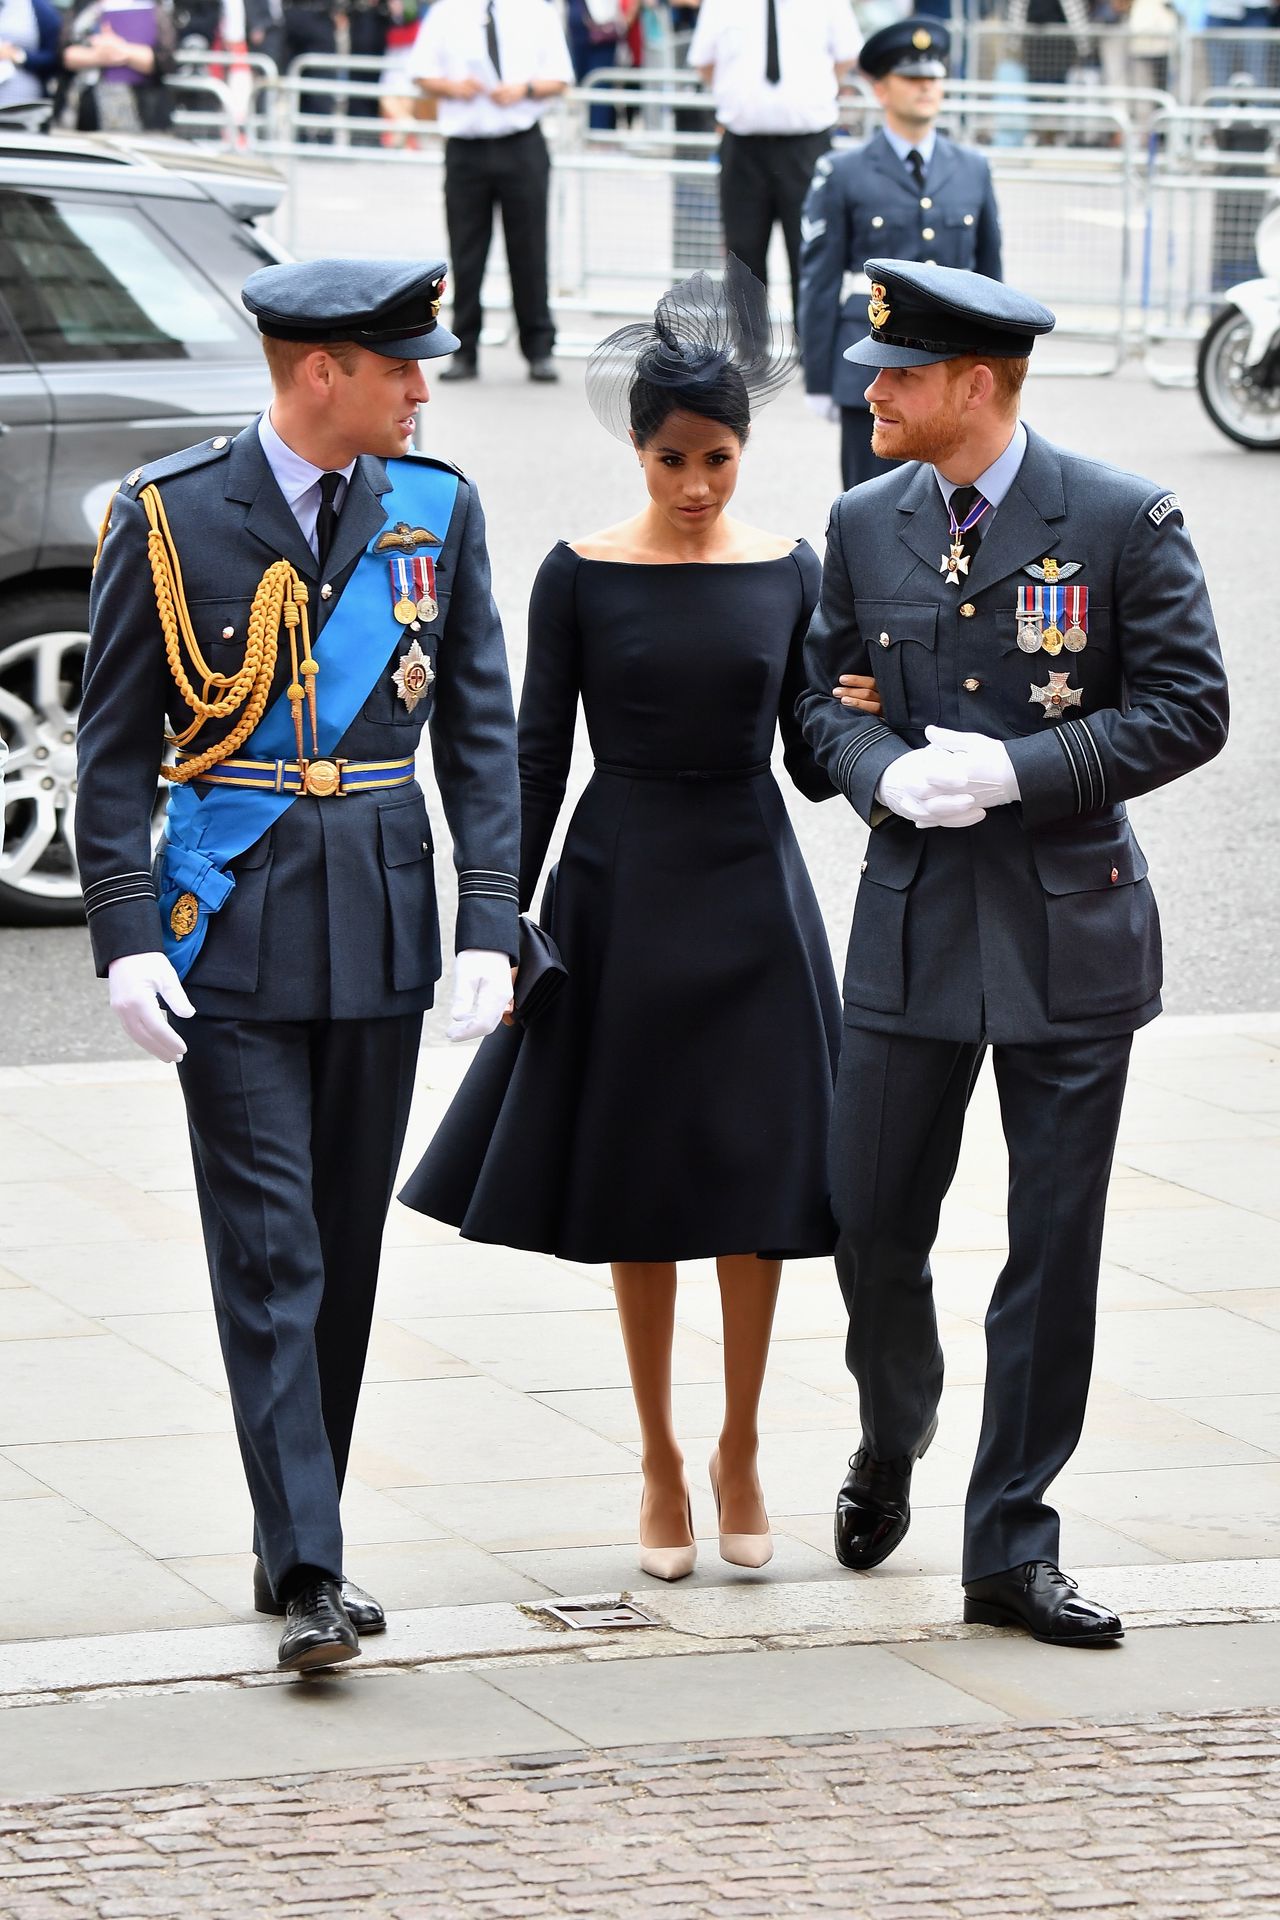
[(1170, 1819)]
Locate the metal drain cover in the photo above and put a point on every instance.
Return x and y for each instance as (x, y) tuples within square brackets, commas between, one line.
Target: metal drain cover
[(597, 1614)]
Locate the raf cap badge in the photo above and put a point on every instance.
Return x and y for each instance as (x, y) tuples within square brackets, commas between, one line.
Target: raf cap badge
[(877, 306), (922, 40), (413, 676), (1056, 696)]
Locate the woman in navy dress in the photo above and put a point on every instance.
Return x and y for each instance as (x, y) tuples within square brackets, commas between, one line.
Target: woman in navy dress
[(672, 1103)]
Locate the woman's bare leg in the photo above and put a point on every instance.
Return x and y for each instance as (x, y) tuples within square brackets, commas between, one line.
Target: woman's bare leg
[(646, 1295), (748, 1296)]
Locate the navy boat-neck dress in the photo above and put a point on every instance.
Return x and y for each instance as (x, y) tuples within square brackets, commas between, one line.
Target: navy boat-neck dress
[(672, 1102)]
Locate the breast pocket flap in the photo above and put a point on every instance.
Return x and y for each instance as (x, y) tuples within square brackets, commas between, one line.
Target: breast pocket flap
[(405, 833), (887, 623), (1084, 863)]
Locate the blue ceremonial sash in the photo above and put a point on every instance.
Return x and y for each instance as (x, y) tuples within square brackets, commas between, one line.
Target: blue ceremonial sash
[(202, 836)]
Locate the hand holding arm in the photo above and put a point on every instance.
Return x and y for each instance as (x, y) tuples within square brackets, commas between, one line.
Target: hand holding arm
[(135, 980)]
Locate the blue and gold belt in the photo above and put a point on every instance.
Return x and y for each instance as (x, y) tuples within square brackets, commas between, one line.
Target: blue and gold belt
[(319, 779)]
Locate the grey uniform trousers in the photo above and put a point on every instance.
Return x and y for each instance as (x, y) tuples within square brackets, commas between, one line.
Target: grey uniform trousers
[(296, 1130), (899, 1114)]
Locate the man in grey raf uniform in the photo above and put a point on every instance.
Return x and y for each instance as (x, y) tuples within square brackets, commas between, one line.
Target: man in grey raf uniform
[(300, 601), (1044, 649), (907, 192)]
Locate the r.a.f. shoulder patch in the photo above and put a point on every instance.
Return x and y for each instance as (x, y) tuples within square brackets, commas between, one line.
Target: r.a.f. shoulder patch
[(1163, 508)]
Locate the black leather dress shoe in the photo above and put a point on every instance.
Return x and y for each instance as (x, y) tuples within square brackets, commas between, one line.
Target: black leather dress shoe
[(543, 371), (363, 1611), (873, 1507), (1044, 1601), (459, 369), (318, 1632)]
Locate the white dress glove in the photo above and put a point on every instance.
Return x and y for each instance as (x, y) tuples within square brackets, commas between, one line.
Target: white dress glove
[(988, 770), (134, 981), (929, 787), (823, 405), (481, 993)]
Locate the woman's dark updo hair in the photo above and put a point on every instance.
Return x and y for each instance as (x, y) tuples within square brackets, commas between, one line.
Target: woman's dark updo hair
[(723, 399), (713, 348)]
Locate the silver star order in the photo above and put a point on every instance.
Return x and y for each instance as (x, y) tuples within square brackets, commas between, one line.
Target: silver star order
[(1056, 695), (413, 676)]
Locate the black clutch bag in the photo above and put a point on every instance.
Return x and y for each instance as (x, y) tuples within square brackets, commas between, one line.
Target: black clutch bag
[(542, 971)]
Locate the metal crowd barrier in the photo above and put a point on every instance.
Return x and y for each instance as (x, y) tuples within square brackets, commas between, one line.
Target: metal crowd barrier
[(1127, 212), (1202, 204)]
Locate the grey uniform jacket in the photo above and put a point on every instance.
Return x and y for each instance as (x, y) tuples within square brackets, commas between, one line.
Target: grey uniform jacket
[(1038, 924), (333, 914), (863, 205)]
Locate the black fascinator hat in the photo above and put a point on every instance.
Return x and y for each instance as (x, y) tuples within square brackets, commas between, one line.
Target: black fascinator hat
[(703, 332)]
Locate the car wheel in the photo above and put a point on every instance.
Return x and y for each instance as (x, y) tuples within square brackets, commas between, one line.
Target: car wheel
[(43, 641)]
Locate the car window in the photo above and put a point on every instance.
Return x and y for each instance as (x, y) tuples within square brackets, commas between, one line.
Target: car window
[(92, 279), (11, 353)]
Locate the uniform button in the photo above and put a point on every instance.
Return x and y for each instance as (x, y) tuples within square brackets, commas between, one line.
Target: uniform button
[(926, 233), (884, 639), (1115, 875), (228, 633), (971, 685), (877, 221), (968, 219), (326, 591), (864, 866), (931, 263), (219, 443), (926, 203), (426, 846), (968, 610)]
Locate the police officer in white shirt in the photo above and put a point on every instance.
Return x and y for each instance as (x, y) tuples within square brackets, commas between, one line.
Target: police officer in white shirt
[(494, 65), (774, 69)]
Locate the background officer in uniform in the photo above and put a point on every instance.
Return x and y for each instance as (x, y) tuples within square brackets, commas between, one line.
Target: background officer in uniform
[(309, 988), (1044, 650), (907, 192)]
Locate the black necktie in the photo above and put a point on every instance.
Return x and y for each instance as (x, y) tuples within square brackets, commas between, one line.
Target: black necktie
[(772, 66), (491, 40), (915, 160), (963, 502), (327, 518)]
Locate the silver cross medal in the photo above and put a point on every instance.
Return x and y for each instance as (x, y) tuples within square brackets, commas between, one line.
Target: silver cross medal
[(956, 563), (1055, 696)]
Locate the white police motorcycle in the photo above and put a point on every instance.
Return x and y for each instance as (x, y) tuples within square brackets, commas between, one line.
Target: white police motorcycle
[(1238, 368)]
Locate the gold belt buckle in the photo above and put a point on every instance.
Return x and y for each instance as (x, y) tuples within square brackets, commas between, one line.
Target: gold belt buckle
[(322, 778)]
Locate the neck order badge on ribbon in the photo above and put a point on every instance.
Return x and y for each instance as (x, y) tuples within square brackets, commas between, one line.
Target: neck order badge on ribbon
[(204, 834), (955, 562)]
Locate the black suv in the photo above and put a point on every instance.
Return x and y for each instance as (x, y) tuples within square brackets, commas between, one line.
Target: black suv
[(122, 338)]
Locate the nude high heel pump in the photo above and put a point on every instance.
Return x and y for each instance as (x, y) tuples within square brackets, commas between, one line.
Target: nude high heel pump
[(739, 1549), (671, 1563)]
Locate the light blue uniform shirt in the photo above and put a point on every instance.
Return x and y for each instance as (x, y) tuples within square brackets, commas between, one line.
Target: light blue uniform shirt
[(298, 480)]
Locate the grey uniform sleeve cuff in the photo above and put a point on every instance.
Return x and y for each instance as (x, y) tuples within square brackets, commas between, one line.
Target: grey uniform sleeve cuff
[(860, 764), (488, 912), (1059, 772), (123, 918)]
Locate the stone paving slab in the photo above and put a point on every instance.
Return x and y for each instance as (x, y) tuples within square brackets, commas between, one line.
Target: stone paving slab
[(861, 1610), (1175, 1818)]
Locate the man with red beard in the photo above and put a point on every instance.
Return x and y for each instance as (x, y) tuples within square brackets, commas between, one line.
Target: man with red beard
[(1003, 902)]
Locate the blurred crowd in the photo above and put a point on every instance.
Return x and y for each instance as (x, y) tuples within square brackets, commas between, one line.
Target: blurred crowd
[(104, 63)]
